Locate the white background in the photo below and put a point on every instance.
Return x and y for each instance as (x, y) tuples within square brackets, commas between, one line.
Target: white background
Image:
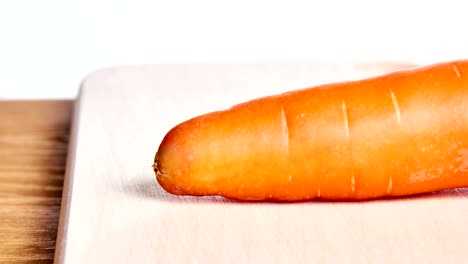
[(47, 47)]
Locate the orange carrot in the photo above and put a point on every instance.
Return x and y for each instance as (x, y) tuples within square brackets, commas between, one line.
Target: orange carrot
[(397, 134)]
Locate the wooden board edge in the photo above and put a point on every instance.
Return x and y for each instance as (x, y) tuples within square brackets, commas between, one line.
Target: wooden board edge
[(62, 231)]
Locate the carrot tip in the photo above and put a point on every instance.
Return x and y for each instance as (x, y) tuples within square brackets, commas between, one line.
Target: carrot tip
[(156, 167)]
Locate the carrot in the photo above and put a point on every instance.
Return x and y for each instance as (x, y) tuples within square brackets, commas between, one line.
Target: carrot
[(397, 134)]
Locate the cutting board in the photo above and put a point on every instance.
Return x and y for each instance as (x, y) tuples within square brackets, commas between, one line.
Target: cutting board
[(114, 211)]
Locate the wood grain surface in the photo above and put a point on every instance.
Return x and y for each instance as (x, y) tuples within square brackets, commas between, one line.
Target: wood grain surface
[(115, 212), (33, 152)]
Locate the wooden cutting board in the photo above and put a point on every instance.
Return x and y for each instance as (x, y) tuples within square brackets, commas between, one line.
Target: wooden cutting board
[(114, 211)]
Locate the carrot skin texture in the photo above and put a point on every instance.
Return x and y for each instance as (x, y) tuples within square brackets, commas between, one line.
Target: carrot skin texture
[(397, 134)]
